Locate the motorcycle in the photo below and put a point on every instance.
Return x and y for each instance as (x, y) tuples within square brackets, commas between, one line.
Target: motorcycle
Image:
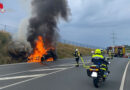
[(98, 73)]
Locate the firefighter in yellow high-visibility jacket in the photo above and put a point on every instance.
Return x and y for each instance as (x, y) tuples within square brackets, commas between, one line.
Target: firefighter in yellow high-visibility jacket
[(77, 56), (110, 54)]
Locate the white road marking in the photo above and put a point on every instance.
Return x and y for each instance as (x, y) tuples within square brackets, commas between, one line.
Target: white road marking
[(38, 69), (66, 65), (73, 64), (26, 71), (33, 76), (46, 69), (13, 73), (20, 77), (124, 76), (27, 76), (14, 64), (7, 86)]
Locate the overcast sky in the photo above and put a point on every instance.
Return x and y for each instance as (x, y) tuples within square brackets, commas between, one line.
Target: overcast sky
[(91, 21)]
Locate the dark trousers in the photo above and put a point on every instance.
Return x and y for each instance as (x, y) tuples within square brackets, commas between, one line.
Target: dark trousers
[(77, 60)]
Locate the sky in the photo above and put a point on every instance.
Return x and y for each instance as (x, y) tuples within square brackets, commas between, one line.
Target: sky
[(91, 22)]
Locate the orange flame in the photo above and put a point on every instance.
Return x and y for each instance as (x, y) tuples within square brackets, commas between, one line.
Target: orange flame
[(38, 52), (50, 60)]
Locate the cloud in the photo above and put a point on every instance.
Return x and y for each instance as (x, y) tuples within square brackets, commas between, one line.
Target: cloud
[(100, 11), (98, 18)]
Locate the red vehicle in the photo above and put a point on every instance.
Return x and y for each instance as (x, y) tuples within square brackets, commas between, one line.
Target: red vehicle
[(117, 51)]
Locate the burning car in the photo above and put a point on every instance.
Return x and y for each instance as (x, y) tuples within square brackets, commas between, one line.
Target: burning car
[(40, 53), (21, 51)]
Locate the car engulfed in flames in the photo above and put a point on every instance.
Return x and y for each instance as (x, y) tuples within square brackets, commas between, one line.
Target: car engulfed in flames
[(40, 53)]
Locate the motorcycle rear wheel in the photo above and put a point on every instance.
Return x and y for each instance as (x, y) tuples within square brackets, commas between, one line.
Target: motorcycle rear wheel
[(96, 82)]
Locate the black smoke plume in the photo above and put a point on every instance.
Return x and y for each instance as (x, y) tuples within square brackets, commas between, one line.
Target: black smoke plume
[(44, 20)]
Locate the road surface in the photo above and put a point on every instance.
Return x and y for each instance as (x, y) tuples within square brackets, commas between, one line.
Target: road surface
[(60, 75)]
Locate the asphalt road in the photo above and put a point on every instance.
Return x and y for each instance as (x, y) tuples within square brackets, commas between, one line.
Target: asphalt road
[(59, 75)]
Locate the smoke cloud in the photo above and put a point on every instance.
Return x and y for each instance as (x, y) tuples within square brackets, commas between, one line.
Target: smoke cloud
[(44, 20)]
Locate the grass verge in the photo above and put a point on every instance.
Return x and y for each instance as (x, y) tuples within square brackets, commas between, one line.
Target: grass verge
[(66, 50)]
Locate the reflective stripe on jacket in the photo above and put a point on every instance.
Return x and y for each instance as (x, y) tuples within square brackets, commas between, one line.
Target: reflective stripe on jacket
[(98, 56)]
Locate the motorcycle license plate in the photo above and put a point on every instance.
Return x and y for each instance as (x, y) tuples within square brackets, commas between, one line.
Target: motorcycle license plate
[(94, 74)]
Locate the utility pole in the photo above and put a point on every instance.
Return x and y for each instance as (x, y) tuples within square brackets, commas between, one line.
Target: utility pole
[(113, 38)]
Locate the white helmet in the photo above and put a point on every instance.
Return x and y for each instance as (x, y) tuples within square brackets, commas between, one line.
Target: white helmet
[(76, 50), (92, 52)]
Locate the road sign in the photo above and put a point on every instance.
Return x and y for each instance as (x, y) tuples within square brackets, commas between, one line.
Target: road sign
[(2, 8)]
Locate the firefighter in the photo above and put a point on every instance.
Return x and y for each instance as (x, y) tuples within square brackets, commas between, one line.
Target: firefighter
[(92, 52), (97, 55), (98, 59), (77, 56), (102, 52), (110, 54)]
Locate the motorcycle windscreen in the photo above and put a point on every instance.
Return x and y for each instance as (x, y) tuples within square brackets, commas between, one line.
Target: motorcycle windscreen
[(94, 74)]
